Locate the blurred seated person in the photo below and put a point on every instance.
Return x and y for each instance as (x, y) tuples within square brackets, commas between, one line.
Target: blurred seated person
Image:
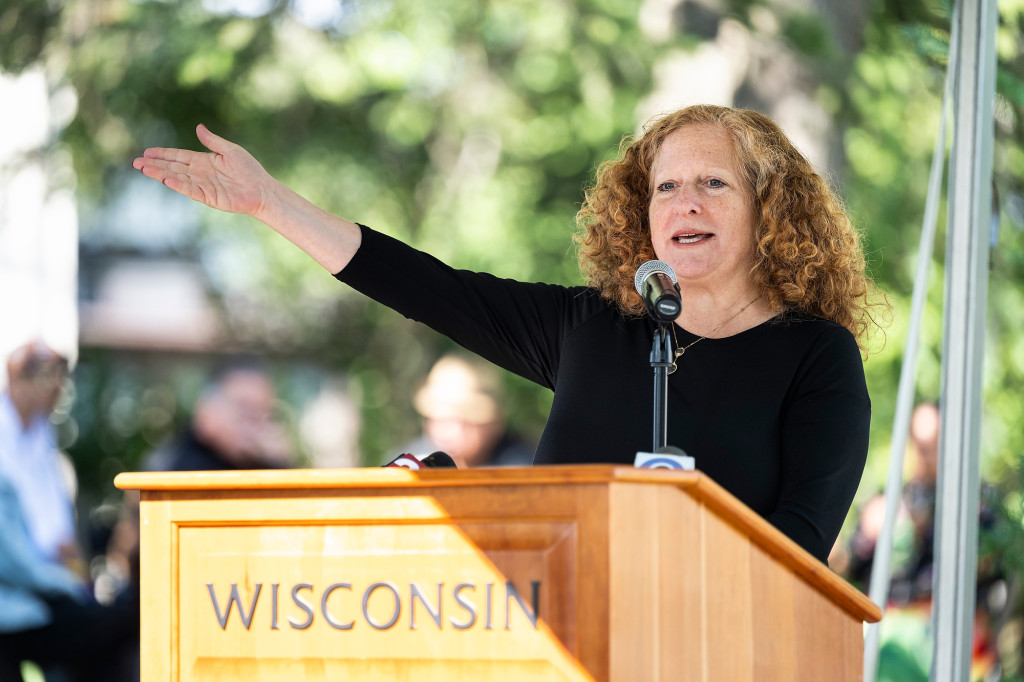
[(913, 534), (29, 458), (47, 612), (233, 426), (460, 403), (905, 637)]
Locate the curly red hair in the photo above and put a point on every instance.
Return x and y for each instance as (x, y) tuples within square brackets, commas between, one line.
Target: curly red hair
[(808, 254)]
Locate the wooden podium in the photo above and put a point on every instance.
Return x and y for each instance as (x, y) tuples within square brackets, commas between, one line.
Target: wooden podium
[(560, 573)]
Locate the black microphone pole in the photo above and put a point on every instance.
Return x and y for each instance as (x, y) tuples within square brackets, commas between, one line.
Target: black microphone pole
[(661, 359), (655, 281)]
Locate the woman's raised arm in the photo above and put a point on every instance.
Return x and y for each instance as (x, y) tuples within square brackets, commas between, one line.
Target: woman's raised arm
[(230, 179)]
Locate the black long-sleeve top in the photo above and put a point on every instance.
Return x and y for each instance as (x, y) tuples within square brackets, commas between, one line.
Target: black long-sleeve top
[(778, 414)]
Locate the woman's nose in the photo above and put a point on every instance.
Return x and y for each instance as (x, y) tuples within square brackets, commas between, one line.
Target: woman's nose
[(687, 200)]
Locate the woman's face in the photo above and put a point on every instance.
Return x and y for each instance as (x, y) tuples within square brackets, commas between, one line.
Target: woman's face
[(701, 213)]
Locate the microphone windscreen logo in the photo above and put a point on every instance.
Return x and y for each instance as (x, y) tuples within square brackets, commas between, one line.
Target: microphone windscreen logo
[(405, 462), (668, 308), (660, 460)]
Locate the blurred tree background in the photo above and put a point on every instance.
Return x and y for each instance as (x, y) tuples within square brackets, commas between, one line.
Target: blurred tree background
[(469, 129)]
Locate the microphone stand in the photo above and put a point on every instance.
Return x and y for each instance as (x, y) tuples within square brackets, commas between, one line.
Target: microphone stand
[(661, 360)]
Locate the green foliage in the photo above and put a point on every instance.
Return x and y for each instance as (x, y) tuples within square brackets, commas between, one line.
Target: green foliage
[(467, 129), (809, 34), (895, 94), (26, 27)]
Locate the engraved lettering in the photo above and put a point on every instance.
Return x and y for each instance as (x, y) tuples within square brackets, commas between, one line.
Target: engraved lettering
[(301, 602), (512, 593), (487, 606), (417, 593), (274, 589), (235, 599), (394, 616), (323, 607), (468, 610), (465, 604)]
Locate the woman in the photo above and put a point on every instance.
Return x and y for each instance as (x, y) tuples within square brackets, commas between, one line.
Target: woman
[(769, 396)]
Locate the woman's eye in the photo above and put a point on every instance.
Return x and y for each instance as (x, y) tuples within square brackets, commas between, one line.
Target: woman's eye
[(715, 182), (666, 186)]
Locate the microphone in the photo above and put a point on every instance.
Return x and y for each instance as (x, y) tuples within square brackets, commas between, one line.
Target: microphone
[(435, 460), (439, 460), (655, 281)]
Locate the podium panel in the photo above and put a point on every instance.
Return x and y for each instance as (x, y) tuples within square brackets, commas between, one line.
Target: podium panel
[(554, 573)]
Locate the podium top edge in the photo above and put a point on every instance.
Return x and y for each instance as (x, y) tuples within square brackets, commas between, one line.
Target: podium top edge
[(291, 479)]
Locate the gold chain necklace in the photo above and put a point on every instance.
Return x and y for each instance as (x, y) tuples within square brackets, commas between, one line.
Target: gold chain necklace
[(679, 351)]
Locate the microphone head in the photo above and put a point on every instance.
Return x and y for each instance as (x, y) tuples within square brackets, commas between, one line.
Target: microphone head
[(439, 460), (649, 268), (435, 460)]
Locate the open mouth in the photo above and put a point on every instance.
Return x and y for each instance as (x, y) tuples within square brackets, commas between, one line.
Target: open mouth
[(691, 238)]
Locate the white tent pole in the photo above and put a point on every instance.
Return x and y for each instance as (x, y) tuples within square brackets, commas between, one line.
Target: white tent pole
[(880, 566), (966, 294)]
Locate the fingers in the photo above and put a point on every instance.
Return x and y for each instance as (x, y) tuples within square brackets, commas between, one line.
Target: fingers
[(182, 183), (158, 163), (169, 154), (155, 155), (214, 143), (222, 178), (156, 166), (168, 169)]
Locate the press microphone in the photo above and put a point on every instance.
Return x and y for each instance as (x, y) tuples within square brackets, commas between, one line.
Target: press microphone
[(439, 460), (655, 281), (435, 460)]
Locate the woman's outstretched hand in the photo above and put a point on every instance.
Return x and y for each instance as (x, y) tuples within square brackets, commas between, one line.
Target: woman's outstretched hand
[(230, 179), (227, 177)]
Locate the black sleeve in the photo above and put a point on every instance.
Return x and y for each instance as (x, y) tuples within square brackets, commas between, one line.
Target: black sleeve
[(516, 325), (825, 442)]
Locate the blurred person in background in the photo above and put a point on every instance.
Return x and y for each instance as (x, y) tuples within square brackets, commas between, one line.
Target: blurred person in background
[(47, 611), (461, 406), (29, 458), (914, 532), (905, 648), (234, 426)]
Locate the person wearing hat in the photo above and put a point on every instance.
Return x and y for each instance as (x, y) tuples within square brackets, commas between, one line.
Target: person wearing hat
[(460, 403)]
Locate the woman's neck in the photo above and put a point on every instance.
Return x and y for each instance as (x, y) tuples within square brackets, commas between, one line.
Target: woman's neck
[(720, 314)]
